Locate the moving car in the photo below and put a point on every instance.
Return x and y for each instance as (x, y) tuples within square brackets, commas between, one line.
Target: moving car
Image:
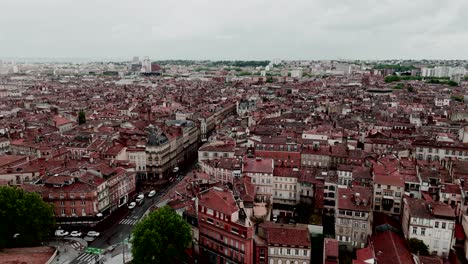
[(131, 205), (93, 234), (61, 233), (152, 193), (76, 234)]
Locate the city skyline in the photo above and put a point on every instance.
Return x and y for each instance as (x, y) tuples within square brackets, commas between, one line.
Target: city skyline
[(253, 30)]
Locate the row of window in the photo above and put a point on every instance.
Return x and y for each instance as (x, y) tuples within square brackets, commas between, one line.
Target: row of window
[(447, 152), (73, 211), (224, 250), (289, 252), (344, 221), (280, 261), (350, 213), (291, 195), (72, 203), (291, 187), (215, 154), (379, 186), (281, 147)]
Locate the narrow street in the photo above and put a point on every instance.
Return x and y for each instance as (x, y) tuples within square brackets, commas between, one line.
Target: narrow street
[(120, 231)]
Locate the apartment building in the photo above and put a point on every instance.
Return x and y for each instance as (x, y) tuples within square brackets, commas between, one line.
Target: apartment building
[(225, 230), (388, 193), (433, 223), (353, 217), (260, 170), (285, 243)]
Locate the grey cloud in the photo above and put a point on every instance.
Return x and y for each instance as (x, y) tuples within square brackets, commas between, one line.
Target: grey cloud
[(243, 29)]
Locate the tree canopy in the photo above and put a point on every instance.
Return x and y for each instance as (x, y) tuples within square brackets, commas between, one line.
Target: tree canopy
[(26, 218), (417, 246), (81, 117), (161, 237)]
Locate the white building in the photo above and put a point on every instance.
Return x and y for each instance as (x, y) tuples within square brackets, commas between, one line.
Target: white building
[(432, 223), (296, 73), (146, 64), (260, 170)]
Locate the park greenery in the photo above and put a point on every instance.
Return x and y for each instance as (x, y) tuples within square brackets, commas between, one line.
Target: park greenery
[(433, 80), (161, 237), (396, 67), (458, 98), (239, 63), (399, 86), (26, 218), (207, 63)]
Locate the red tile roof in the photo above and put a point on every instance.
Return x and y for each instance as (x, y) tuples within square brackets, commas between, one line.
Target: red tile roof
[(219, 200), (349, 198), (258, 165), (390, 248), (35, 255), (286, 235), (331, 247)]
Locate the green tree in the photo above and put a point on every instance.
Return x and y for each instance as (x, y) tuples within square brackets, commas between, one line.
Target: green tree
[(410, 89), (26, 218), (417, 246), (452, 83), (392, 78), (81, 117), (458, 98), (161, 237)]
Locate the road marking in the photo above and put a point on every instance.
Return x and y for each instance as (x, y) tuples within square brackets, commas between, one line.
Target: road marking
[(76, 245), (128, 221), (86, 257)]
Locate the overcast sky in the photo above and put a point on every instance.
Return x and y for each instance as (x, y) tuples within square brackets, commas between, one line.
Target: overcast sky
[(235, 29)]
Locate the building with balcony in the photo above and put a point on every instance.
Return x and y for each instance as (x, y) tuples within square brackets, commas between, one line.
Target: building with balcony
[(433, 223), (225, 230), (388, 193)]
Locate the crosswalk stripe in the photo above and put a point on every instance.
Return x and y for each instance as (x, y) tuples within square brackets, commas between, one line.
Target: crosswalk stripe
[(89, 257), (86, 257), (128, 221)]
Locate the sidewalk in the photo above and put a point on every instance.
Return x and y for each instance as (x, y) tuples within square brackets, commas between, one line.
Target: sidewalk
[(66, 252)]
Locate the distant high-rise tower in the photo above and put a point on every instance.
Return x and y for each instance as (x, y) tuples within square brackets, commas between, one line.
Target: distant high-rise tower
[(136, 60), (146, 65)]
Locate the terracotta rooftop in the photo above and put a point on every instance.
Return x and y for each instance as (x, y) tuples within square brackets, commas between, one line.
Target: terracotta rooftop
[(219, 200), (258, 165), (35, 255), (286, 235), (390, 248), (6, 160), (358, 198)]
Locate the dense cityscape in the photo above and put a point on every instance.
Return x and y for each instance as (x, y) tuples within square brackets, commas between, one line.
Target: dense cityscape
[(274, 162)]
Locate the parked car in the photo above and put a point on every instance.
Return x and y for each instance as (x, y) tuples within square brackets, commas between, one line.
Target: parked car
[(61, 233), (89, 239), (140, 197), (131, 205), (152, 193), (140, 202), (76, 234), (275, 218), (175, 170), (93, 234)]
